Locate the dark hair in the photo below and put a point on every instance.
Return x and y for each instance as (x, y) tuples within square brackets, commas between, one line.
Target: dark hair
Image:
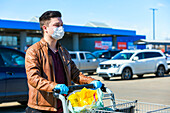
[(45, 17)]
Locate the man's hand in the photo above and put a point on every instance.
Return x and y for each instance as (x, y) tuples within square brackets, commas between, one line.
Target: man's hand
[(63, 88), (97, 84)]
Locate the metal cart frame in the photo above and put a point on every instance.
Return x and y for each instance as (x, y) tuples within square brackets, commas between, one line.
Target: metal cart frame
[(128, 107)]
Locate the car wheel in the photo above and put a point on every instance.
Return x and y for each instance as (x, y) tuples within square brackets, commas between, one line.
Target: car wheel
[(160, 71), (140, 76), (106, 78), (127, 74), (24, 103)]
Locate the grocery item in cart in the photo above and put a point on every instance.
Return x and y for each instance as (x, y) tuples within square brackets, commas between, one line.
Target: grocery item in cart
[(85, 99)]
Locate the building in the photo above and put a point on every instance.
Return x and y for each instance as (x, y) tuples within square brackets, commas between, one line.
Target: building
[(154, 43), (22, 34)]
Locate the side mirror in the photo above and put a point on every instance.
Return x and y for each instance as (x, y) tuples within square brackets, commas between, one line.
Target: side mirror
[(136, 58)]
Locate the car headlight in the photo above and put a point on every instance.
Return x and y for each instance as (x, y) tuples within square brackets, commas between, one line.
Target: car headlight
[(116, 65)]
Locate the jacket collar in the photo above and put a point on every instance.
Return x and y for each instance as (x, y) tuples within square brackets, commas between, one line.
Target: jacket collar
[(58, 45)]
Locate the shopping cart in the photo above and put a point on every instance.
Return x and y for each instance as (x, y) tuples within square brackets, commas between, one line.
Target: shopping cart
[(110, 105)]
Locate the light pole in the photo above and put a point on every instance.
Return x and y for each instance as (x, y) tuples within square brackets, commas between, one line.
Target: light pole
[(153, 22)]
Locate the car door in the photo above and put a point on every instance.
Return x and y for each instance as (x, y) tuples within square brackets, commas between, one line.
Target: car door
[(14, 68), (92, 61), (2, 78), (84, 65), (139, 65), (75, 58), (150, 59)]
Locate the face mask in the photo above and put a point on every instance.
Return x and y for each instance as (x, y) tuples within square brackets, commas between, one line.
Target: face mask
[(58, 33)]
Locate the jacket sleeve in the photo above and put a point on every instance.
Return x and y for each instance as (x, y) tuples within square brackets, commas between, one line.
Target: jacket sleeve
[(33, 71), (78, 77)]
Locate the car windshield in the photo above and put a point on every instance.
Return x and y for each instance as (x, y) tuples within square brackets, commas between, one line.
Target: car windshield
[(97, 53), (122, 56)]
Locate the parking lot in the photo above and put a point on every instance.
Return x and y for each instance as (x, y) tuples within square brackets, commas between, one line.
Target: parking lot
[(149, 89)]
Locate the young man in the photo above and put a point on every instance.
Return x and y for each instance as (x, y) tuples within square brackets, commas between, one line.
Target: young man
[(49, 66)]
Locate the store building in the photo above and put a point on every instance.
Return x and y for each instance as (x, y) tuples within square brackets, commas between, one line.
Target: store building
[(22, 34)]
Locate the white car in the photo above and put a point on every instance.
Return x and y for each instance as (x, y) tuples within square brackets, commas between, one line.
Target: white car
[(130, 62), (167, 54)]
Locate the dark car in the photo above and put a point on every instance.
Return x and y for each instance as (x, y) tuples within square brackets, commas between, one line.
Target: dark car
[(105, 54), (13, 80)]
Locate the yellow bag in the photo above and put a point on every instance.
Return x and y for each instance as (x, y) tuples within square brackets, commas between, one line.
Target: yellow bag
[(82, 98), (85, 100)]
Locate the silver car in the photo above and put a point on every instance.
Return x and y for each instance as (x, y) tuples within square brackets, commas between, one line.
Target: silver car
[(85, 61)]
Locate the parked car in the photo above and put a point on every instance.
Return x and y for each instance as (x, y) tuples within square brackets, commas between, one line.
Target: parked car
[(130, 62), (168, 63), (167, 54), (85, 61), (105, 54), (13, 80)]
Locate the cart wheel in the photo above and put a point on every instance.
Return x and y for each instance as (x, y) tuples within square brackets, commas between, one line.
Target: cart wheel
[(106, 78), (160, 71), (127, 74)]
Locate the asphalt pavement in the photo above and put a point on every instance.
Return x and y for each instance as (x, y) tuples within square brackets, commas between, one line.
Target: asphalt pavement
[(149, 89)]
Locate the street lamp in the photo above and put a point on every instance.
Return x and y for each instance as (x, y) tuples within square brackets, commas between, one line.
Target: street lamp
[(153, 22)]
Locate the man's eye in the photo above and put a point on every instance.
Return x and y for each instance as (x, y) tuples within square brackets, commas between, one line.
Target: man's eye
[(57, 25)]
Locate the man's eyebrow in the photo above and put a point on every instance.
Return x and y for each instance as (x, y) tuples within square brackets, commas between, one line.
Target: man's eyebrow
[(56, 22)]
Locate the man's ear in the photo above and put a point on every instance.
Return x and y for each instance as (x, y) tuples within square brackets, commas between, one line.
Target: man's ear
[(45, 29)]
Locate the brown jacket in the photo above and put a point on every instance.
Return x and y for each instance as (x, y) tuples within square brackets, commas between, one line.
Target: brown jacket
[(41, 76)]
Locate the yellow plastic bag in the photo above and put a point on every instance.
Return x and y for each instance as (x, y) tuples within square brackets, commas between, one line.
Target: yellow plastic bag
[(85, 99)]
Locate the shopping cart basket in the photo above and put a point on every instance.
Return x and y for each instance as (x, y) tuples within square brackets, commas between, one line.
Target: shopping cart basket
[(145, 107), (109, 101)]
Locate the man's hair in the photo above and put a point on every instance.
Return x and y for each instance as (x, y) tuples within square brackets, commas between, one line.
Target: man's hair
[(45, 17)]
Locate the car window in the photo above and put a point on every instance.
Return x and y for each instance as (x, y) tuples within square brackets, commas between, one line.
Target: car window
[(122, 56), (97, 54), (140, 56), (152, 54), (89, 56), (105, 55), (113, 53), (157, 54), (82, 56), (12, 58), (73, 56)]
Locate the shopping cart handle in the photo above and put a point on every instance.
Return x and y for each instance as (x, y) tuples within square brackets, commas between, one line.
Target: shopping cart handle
[(77, 87)]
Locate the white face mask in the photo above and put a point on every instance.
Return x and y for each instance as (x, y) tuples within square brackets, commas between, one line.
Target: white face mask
[(58, 33)]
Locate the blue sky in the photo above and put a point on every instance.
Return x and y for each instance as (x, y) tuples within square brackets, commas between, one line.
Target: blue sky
[(119, 14)]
